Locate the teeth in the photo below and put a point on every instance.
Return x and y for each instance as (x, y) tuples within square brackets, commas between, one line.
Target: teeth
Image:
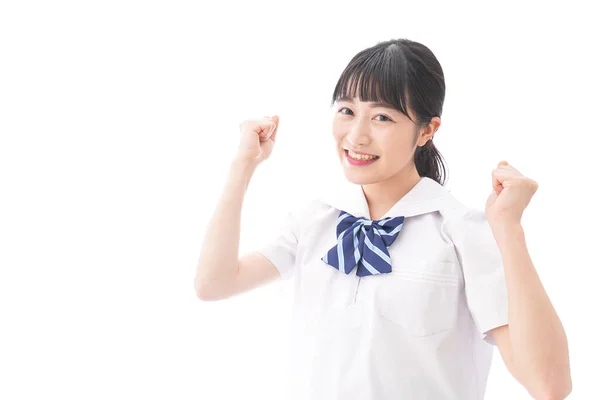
[(361, 157)]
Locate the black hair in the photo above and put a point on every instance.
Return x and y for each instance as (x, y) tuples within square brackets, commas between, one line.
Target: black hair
[(405, 75)]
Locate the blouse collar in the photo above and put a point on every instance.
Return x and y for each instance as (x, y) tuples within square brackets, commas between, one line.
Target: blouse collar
[(425, 197)]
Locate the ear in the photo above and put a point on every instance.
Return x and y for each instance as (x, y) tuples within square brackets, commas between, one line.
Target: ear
[(428, 132)]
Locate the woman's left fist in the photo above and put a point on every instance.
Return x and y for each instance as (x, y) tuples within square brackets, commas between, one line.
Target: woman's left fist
[(511, 193)]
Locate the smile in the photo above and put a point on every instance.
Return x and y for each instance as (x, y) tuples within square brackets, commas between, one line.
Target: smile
[(359, 159)]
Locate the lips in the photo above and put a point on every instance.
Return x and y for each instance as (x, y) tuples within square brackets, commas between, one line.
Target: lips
[(356, 162), (360, 152), (367, 156)]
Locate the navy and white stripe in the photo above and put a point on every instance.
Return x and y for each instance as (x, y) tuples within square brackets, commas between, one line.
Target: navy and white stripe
[(362, 242)]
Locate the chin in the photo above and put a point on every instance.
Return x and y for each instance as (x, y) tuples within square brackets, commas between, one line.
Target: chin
[(359, 179)]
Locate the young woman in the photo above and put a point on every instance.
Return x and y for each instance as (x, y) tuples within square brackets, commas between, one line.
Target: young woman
[(400, 291)]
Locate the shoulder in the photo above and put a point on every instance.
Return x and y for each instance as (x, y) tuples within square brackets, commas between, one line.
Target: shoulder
[(461, 221), (309, 212), (452, 209), (311, 208)]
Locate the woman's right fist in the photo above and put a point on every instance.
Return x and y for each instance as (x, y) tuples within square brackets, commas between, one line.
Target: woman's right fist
[(257, 139)]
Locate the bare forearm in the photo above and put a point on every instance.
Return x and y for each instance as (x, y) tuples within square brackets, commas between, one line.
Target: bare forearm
[(219, 254), (538, 340)]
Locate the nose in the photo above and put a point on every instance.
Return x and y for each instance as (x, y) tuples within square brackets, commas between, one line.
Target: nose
[(354, 144), (358, 135)]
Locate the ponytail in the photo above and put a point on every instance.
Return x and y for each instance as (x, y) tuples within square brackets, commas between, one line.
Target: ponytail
[(429, 162)]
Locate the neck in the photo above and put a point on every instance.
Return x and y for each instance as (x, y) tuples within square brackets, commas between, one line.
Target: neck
[(383, 195)]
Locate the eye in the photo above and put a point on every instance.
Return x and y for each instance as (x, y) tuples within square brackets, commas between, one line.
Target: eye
[(385, 116), (344, 108), (378, 115)]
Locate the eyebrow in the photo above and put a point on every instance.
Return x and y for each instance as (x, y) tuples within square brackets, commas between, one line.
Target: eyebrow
[(370, 104)]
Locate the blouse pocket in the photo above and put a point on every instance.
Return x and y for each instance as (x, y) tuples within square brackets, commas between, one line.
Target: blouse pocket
[(421, 298)]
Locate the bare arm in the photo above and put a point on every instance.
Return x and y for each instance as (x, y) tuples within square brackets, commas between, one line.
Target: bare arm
[(220, 272), (534, 344), (253, 270)]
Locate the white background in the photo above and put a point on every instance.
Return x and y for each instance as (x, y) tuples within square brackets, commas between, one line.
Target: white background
[(118, 120)]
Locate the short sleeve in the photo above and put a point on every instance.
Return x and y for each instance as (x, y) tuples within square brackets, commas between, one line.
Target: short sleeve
[(281, 248), (483, 271)]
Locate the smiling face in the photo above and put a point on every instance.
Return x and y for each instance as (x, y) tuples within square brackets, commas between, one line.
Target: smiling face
[(377, 130)]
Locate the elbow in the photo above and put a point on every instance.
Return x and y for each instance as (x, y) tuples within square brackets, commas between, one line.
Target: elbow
[(553, 395), (555, 389), (203, 295), (211, 287), (559, 392), (208, 291), (203, 291)]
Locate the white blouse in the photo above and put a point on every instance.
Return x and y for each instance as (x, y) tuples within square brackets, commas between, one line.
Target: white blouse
[(419, 332)]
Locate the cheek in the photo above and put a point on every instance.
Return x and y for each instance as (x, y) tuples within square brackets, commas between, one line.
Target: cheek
[(337, 132), (398, 151)]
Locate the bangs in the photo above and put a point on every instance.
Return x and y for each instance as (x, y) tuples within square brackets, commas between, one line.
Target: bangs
[(376, 76)]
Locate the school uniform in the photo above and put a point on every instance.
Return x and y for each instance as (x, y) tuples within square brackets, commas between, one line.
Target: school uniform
[(420, 331)]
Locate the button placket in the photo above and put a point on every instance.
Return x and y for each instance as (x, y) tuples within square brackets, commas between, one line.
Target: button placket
[(356, 289)]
